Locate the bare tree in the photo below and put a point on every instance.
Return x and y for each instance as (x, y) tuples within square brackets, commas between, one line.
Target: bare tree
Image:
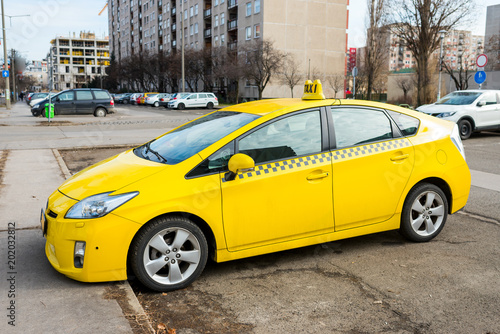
[(291, 75), (336, 82), (461, 75), (376, 43), (263, 61), (417, 23), (406, 84)]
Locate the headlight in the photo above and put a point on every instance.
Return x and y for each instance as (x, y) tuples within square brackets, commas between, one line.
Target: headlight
[(98, 205), (446, 114), (36, 106)]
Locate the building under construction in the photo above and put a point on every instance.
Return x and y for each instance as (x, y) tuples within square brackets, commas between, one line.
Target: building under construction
[(79, 59)]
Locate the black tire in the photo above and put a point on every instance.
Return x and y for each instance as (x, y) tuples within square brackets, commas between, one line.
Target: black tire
[(210, 105), (156, 104), (465, 128), (36, 113), (100, 112), (181, 106), (172, 272), (424, 213)]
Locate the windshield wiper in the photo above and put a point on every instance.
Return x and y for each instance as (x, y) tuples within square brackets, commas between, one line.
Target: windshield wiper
[(158, 155)]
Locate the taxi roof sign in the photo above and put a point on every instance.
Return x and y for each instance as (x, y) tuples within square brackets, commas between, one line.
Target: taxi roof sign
[(313, 90)]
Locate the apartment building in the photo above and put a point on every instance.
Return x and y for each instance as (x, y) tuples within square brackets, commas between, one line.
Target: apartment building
[(79, 59), (459, 47), (314, 31), (38, 70)]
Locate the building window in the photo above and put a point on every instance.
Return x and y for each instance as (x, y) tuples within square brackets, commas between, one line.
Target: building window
[(191, 30), (248, 34), (249, 9), (257, 7), (191, 11), (185, 14), (196, 9), (216, 39), (256, 31), (216, 20), (222, 39), (216, 2), (196, 28), (222, 19)]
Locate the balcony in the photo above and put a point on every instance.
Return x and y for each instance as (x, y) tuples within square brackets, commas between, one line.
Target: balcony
[(233, 46), (232, 4), (232, 25), (207, 33), (207, 13)]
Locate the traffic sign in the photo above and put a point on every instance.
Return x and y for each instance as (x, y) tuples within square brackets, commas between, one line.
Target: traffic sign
[(354, 71), (5, 74), (481, 60), (480, 77)]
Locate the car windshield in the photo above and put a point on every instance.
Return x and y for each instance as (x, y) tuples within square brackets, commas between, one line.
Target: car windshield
[(459, 98), (182, 95), (184, 142)]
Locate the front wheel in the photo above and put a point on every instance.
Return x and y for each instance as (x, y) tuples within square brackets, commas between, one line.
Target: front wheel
[(465, 128), (156, 104), (181, 106), (424, 213), (169, 254)]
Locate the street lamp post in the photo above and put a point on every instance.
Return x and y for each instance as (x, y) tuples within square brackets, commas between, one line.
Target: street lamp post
[(182, 49), (7, 82), (442, 32)]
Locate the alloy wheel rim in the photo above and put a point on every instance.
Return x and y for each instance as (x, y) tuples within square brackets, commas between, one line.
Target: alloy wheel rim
[(427, 213)]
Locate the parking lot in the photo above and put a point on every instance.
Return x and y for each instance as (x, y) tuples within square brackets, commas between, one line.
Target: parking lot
[(379, 283)]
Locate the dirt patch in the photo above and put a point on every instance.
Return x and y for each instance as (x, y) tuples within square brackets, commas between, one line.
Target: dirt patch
[(188, 311), (3, 159), (55, 123), (79, 158)]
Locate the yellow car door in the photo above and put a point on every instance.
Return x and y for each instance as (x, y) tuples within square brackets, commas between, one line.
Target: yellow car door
[(371, 166), (289, 194)]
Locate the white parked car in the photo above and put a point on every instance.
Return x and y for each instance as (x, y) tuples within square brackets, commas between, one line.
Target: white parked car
[(473, 110), (193, 100), (154, 99)]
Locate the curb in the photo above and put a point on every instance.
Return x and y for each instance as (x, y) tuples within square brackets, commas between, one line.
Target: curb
[(139, 315)]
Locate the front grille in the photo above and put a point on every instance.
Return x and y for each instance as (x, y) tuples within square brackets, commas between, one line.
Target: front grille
[(52, 214)]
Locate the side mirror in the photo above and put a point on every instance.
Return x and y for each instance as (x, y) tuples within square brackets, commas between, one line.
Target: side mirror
[(239, 163), (58, 99), (481, 103)]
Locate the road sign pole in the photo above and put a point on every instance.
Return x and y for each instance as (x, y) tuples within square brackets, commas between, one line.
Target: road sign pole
[(6, 64)]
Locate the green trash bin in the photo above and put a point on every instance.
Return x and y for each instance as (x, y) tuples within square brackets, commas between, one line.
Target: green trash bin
[(51, 113)]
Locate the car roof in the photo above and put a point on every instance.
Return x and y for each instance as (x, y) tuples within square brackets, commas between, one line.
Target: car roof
[(283, 106)]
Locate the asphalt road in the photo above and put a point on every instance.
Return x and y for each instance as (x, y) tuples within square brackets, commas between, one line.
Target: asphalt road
[(379, 283)]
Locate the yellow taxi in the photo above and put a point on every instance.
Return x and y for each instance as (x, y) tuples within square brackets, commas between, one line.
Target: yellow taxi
[(144, 96), (256, 178)]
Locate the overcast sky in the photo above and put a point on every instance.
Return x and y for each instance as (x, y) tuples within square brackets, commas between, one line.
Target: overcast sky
[(50, 18)]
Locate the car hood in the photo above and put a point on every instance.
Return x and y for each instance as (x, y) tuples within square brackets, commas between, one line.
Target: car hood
[(433, 109), (109, 175)]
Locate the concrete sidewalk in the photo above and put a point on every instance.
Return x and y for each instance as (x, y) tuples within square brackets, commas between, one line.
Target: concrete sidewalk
[(40, 299)]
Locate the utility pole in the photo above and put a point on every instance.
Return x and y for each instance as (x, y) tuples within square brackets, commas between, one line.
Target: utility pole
[(182, 49), (13, 62), (6, 63)]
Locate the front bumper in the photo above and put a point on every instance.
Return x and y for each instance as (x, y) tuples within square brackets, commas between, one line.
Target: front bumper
[(107, 242)]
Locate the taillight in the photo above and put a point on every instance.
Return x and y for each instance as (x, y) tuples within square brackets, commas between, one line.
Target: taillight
[(215, 99), (112, 102), (161, 100)]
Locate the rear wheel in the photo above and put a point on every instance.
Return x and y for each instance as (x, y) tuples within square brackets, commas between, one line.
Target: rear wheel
[(181, 106), (210, 105), (100, 112), (424, 213), (156, 104), (169, 253), (465, 128)]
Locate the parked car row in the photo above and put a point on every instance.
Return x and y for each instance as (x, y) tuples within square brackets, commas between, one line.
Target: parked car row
[(171, 101)]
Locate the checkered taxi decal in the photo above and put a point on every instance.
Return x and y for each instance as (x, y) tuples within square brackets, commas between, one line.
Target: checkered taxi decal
[(298, 163)]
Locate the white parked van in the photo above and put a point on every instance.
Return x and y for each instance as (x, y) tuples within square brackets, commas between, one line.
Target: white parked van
[(193, 100)]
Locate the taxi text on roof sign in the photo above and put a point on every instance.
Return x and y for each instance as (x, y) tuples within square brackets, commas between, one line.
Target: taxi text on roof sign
[(313, 90)]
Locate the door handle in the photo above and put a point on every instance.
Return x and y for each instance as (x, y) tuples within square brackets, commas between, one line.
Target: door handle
[(317, 176), (400, 157)]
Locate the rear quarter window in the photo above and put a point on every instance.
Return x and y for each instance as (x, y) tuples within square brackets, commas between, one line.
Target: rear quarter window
[(407, 124), (101, 95)]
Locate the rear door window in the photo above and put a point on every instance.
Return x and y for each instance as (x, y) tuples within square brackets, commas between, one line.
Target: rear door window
[(83, 95)]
